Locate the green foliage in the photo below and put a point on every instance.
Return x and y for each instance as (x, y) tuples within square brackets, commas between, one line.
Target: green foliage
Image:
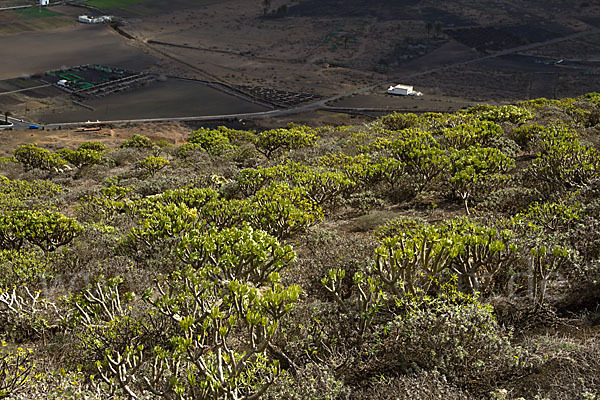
[(82, 157), (295, 137), (472, 133), (423, 159), (162, 227), (20, 267), (191, 197), (204, 314), (541, 137), (96, 146), (215, 142), (359, 169), (399, 121), (19, 194), (564, 164), (514, 114), (322, 187), (151, 165), (193, 314), (46, 229), (552, 216), (415, 256), (282, 211), (453, 334), (593, 98), (477, 170), (243, 254), (138, 142), (411, 260), (16, 370), (478, 253), (206, 247), (32, 157)]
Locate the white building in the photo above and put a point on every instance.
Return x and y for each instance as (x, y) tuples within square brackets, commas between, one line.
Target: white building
[(44, 2), (93, 20), (401, 90)]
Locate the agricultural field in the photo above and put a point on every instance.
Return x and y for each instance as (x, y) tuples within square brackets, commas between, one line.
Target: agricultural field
[(32, 19), (141, 8), (171, 98), (39, 51), (442, 255)]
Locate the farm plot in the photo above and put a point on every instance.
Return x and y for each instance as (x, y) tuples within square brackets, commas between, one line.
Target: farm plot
[(168, 99), (131, 8), (89, 81), (283, 98), (32, 53), (32, 19)]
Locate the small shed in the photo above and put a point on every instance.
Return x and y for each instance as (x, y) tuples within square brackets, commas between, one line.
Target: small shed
[(401, 90)]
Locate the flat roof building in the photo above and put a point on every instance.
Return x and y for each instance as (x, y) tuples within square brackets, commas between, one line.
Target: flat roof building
[(401, 90)]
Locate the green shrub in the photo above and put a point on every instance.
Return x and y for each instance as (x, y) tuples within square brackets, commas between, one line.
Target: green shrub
[(16, 370), (399, 121), (46, 229), (150, 166), (295, 137), (31, 157), (215, 142), (82, 158), (138, 142), (514, 114), (453, 334)]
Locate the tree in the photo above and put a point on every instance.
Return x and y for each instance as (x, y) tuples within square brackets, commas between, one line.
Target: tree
[(16, 370), (235, 253), (186, 346), (423, 158), (471, 133), (6, 115)]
